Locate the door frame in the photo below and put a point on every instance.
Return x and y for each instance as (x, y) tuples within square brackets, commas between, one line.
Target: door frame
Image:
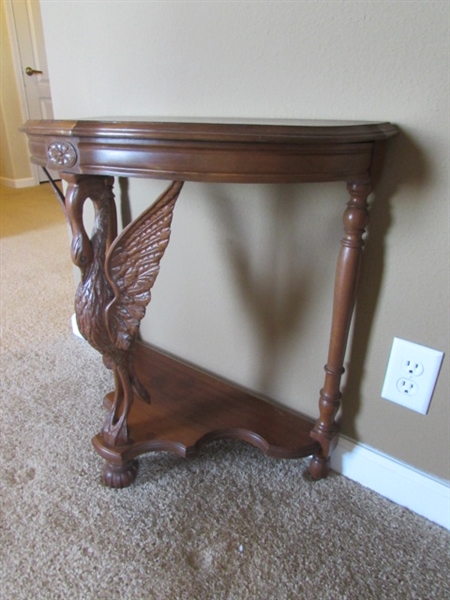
[(17, 66)]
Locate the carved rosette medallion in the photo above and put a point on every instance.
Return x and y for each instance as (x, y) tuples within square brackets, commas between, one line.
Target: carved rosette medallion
[(61, 154)]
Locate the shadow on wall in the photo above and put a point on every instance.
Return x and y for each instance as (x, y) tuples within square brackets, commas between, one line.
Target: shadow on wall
[(275, 290)]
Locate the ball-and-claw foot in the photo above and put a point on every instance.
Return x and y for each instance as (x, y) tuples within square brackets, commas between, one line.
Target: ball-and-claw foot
[(121, 475), (319, 466)]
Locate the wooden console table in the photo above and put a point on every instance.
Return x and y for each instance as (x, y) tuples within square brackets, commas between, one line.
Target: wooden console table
[(160, 403)]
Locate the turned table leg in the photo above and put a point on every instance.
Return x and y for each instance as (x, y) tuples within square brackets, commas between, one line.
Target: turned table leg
[(355, 220)]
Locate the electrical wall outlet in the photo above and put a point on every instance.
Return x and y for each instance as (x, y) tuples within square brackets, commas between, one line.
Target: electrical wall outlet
[(411, 375)]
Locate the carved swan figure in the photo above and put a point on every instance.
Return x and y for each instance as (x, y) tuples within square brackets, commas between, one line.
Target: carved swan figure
[(116, 278)]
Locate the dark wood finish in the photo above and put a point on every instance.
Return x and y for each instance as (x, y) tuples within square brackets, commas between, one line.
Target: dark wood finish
[(188, 408), (203, 151), (116, 278), (347, 273)]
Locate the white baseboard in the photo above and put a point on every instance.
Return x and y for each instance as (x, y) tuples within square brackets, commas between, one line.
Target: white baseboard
[(422, 493), (17, 183), (74, 324)]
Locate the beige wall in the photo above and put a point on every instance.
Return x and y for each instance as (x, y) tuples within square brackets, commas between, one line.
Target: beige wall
[(246, 284), (14, 161)]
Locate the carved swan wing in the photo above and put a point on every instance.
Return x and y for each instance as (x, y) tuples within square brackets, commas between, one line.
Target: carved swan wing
[(132, 265)]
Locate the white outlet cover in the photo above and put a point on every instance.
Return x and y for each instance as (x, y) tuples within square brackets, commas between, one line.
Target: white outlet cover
[(418, 391)]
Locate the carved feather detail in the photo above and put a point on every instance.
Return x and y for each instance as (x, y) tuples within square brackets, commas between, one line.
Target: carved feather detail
[(132, 265)]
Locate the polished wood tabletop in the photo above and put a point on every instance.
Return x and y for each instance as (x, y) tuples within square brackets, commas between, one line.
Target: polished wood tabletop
[(223, 150)]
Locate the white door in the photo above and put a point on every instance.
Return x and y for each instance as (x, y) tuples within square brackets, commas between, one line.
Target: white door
[(33, 61)]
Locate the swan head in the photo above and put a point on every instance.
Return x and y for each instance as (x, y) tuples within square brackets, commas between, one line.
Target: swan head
[(82, 251)]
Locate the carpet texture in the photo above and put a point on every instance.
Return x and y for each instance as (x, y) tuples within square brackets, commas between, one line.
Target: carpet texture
[(227, 524)]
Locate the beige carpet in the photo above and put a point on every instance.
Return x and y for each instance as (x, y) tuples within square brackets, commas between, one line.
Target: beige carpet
[(229, 524)]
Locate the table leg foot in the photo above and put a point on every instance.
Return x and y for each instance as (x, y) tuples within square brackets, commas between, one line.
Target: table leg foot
[(319, 466), (119, 475)]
